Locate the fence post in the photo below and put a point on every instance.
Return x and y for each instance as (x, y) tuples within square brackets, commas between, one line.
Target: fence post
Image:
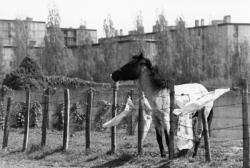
[(88, 119), (206, 135), (2, 105), (130, 124), (26, 120), (140, 126), (171, 132), (244, 93), (6, 124), (45, 116), (114, 111), (66, 120)]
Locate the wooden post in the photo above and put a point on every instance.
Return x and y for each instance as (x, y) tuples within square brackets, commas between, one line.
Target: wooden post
[(6, 124), (245, 124), (45, 116), (206, 135), (114, 111), (171, 132), (2, 105), (26, 120), (130, 124), (140, 127), (66, 120), (88, 119)]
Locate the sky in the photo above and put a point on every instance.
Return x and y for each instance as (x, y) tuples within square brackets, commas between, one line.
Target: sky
[(123, 12)]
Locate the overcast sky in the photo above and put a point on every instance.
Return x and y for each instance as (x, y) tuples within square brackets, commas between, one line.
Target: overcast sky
[(123, 12)]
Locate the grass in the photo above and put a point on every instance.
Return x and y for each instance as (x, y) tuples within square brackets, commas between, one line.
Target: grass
[(225, 153)]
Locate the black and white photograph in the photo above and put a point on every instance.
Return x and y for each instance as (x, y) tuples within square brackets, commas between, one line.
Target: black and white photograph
[(124, 84)]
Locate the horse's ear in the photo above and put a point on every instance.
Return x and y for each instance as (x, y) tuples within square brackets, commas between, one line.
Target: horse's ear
[(149, 64), (141, 55)]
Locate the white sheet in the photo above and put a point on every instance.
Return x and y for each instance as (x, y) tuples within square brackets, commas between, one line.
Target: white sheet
[(185, 128)]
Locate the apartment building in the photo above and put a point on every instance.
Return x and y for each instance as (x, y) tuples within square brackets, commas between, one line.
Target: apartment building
[(33, 33), (74, 37)]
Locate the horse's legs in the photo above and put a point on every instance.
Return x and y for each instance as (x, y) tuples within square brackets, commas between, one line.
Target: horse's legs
[(198, 131), (196, 146), (159, 140), (167, 137), (209, 120)]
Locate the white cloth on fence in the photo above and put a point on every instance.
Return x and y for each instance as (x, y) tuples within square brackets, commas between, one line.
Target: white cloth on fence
[(185, 132), (185, 127), (117, 119), (147, 119), (188, 92), (201, 102)]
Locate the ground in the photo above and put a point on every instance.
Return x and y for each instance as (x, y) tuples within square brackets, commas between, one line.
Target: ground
[(225, 153)]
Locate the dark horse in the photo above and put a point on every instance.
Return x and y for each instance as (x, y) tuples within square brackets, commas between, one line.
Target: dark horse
[(155, 88)]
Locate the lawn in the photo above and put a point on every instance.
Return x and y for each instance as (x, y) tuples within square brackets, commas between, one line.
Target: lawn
[(225, 153)]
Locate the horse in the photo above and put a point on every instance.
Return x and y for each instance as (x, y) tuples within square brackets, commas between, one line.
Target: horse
[(156, 89)]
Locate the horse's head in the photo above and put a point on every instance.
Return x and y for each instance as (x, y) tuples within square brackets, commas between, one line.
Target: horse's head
[(132, 70)]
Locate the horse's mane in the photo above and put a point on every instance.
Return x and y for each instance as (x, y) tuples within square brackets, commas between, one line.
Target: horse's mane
[(157, 78)]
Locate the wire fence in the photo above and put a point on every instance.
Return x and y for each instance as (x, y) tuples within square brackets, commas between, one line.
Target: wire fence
[(106, 95), (82, 106)]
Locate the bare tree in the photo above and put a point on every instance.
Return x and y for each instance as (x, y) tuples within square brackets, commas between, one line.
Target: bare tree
[(109, 50), (21, 41), (186, 54), (85, 63), (139, 35), (164, 57), (2, 71), (139, 23), (213, 57), (56, 58), (161, 23), (108, 27), (244, 59)]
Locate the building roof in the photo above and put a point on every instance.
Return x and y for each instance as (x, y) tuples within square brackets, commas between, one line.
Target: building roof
[(78, 29), (241, 24), (220, 24), (7, 20)]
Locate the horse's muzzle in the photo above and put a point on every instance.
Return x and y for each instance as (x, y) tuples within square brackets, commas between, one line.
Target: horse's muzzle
[(115, 75)]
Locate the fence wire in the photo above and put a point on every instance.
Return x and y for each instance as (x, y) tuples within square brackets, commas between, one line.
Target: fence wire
[(108, 94)]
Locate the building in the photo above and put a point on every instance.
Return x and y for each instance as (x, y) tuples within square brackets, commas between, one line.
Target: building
[(79, 36), (228, 32), (8, 30), (36, 29), (34, 33), (231, 37)]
